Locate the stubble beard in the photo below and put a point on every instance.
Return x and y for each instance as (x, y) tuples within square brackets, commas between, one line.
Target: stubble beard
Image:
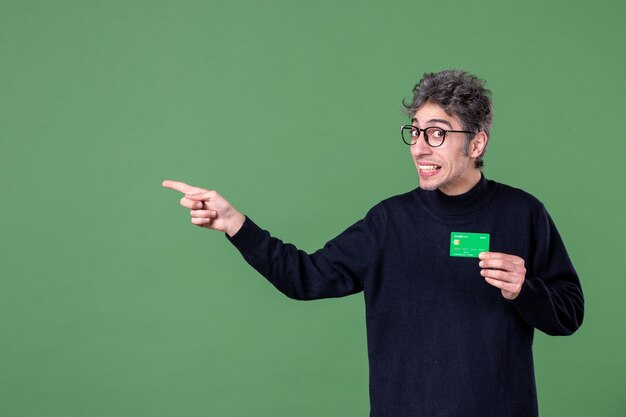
[(446, 181)]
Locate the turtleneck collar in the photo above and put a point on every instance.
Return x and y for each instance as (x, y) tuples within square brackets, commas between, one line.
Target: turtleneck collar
[(458, 205)]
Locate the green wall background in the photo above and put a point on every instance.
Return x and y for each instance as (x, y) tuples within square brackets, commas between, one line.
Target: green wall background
[(113, 304)]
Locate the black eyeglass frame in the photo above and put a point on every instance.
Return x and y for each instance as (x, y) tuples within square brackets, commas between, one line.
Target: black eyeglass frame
[(412, 128)]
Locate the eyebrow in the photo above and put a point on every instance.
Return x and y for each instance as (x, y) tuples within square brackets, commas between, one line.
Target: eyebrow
[(444, 121)]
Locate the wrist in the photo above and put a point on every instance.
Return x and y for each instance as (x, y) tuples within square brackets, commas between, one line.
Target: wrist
[(235, 224)]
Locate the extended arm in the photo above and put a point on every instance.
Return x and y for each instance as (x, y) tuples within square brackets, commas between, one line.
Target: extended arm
[(335, 270)]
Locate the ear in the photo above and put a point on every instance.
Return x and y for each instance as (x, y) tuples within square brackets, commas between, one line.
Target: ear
[(478, 144)]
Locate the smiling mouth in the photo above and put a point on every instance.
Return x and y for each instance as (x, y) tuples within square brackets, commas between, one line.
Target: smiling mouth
[(429, 168)]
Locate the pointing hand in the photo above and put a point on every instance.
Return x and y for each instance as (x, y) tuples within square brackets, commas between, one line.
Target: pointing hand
[(208, 208)]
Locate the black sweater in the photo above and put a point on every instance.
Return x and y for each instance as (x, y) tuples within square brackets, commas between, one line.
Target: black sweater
[(441, 341)]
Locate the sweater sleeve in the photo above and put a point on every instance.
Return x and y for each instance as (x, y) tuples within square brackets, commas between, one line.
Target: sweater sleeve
[(336, 270), (551, 298)]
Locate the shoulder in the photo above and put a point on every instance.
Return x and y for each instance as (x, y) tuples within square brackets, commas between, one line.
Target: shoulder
[(396, 209), (396, 202), (400, 199), (511, 196)]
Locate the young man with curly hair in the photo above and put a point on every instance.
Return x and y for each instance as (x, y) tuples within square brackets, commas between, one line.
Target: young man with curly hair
[(456, 274)]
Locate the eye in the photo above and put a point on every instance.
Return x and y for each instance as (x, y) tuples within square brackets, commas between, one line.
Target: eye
[(437, 133), (415, 132)]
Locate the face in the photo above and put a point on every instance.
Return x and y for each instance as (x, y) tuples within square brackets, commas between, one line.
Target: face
[(448, 167)]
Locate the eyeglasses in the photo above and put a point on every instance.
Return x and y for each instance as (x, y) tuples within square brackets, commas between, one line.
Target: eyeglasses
[(434, 136)]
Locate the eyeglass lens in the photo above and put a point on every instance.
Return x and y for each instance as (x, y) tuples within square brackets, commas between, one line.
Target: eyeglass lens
[(434, 136)]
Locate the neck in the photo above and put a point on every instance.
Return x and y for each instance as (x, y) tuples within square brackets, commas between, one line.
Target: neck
[(458, 206), (467, 183)]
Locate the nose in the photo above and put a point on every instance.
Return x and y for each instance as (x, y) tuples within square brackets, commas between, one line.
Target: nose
[(420, 147)]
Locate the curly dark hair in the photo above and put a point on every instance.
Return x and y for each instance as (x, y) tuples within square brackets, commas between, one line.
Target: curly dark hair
[(459, 94)]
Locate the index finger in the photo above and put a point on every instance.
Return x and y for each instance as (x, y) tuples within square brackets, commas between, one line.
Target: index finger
[(182, 187)]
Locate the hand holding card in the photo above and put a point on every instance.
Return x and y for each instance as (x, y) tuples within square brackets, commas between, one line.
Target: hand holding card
[(503, 271)]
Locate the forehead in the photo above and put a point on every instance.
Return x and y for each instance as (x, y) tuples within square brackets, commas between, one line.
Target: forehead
[(433, 114)]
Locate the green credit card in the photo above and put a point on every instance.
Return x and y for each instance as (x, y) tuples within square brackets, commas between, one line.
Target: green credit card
[(468, 245)]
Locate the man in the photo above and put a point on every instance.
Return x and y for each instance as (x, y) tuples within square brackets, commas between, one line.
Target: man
[(456, 274)]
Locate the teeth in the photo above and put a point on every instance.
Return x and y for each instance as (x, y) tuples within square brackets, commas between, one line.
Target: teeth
[(428, 167)]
